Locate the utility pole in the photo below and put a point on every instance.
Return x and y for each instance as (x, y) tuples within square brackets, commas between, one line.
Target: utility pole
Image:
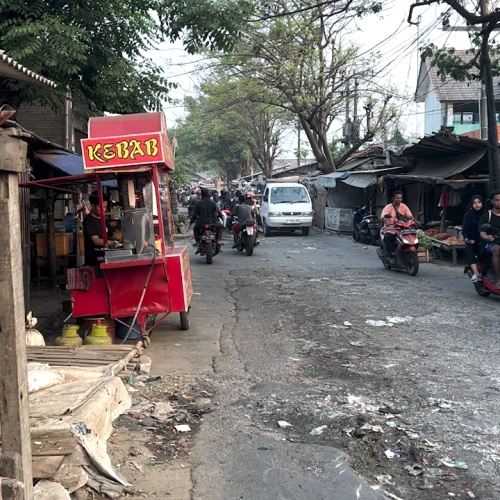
[(487, 78)]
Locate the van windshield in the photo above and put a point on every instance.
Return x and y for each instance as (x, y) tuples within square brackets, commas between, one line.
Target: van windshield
[(289, 194)]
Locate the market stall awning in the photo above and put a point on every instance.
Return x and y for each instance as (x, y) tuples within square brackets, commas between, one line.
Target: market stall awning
[(65, 162), (9, 68), (359, 178), (439, 169)]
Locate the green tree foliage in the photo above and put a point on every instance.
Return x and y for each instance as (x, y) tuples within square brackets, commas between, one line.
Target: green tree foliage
[(97, 48), (301, 57)]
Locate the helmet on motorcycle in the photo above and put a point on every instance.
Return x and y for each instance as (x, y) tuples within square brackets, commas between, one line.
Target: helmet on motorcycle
[(249, 194)]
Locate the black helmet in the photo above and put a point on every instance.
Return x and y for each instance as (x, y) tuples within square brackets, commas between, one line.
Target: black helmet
[(223, 192), (204, 193)]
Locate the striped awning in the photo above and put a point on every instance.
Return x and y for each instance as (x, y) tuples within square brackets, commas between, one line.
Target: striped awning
[(9, 68)]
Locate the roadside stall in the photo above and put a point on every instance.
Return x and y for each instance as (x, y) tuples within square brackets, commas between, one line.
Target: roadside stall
[(145, 277)]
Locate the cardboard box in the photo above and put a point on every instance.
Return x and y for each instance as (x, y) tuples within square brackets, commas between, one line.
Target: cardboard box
[(64, 242)]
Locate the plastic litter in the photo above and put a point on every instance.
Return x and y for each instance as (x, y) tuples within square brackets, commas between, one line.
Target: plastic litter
[(392, 454), (392, 424), (377, 322), (373, 428), (397, 319), (414, 470), (182, 428), (357, 344), (457, 464), (284, 424), (318, 430), (41, 376), (385, 479), (471, 495), (346, 323)]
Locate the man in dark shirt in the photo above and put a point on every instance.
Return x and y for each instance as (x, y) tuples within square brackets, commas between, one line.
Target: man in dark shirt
[(206, 212), (488, 244), (92, 234)]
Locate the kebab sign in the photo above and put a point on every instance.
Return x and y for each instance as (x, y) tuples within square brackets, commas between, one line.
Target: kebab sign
[(139, 149)]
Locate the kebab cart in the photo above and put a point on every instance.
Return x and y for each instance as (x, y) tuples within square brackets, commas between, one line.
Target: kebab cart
[(147, 277)]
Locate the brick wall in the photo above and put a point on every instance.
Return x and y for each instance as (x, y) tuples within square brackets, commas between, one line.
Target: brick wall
[(43, 121)]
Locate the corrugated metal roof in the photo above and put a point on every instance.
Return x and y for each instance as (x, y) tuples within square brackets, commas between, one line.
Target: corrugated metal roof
[(444, 144), (9, 68), (449, 90)]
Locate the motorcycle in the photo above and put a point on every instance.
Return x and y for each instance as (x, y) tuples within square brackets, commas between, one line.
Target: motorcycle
[(406, 256), (248, 238), (365, 227), (208, 246), (485, 287)]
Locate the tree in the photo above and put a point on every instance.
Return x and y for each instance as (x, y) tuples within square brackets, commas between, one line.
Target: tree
[(479, 66), (98, 51), (303, 61)]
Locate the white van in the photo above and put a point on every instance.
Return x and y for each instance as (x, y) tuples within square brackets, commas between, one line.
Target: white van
[(286, 206)]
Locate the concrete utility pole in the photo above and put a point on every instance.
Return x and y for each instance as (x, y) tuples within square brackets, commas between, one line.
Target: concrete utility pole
[(493, 160)]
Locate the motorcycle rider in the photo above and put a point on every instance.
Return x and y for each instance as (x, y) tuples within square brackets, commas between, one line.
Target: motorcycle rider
[(397, 210), (244, 213), (492, 217), (206, 212)]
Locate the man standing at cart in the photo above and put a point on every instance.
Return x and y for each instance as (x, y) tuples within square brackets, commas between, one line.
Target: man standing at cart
[(206, 212), (92, 234)]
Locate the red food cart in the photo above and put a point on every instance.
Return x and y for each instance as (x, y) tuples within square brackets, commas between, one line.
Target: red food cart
[(147, 277)]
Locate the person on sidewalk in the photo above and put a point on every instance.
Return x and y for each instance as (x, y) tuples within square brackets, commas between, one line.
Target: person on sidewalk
[(397, 210), (488, 244), (92, 234), (471, 234), (206, 212)]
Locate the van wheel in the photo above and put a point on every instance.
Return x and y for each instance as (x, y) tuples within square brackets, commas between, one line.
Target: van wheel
[(267, 229), (305, 231)]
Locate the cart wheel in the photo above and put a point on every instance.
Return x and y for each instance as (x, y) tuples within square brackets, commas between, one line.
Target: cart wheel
[(184, 320)]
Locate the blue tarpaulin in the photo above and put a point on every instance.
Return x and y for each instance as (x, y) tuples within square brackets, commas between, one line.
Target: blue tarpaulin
[(67, 163)]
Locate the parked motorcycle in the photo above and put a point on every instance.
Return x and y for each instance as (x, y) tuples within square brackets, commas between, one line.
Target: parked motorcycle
[(406, 256), (485, 287), (209, 247), (365, 227), (248, 238)]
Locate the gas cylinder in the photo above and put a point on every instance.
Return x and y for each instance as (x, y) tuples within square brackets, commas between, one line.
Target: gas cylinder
[(99, 335), (69, 337)]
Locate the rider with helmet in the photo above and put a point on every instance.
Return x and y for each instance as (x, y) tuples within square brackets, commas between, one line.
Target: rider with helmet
[(244, 213)]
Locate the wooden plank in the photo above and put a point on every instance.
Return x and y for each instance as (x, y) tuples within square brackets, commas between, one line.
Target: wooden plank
[(14, 411), (46, 467), (54, 446)]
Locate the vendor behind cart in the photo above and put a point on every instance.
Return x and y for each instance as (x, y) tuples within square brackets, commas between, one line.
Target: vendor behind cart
[(92, 234)]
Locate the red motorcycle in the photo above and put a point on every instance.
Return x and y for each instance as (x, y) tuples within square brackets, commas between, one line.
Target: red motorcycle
[(484, 287), (406, 256)]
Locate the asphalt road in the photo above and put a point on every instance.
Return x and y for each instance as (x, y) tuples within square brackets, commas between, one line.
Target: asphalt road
[(389, 383)]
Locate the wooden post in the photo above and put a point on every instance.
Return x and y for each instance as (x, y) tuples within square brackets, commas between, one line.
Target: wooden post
[(14, 410), (51, 241)]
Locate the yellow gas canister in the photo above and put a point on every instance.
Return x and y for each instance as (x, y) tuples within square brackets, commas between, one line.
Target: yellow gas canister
[(69, 337), (99, 335)]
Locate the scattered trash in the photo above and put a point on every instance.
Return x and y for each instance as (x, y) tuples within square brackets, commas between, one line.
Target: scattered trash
[(346, 323), (353, 399), (373, 428), (457, 464), (377, 322), (388, 409), (162, 410), (385, 479), (391, 495), (392, 424), (284, 424), (152, 379), (156, 462), (318, 430), (392, 454), (182, 428), (414, 470), (357, 344), (136, 465), (397, 319), (348, 365), (177, 345), (294, 359), (311, 248), (264, 259), (294, 251), (471, 495)]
